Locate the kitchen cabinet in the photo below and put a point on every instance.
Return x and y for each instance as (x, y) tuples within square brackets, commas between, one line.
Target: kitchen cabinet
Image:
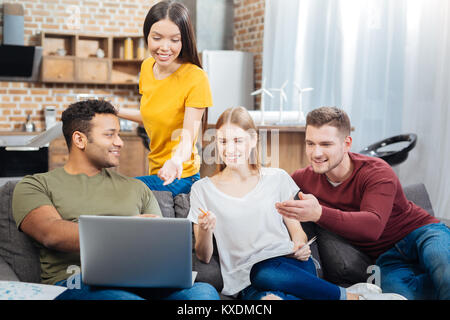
[(80, 58), (58, 69), (93, 70)]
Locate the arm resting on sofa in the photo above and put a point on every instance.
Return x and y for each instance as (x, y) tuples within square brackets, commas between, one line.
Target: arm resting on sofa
[(6, 272)]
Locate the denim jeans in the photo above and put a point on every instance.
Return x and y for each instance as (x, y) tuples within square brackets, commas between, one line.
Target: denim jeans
[(290, 279), (418, 266), (199, 291), (182, 185)]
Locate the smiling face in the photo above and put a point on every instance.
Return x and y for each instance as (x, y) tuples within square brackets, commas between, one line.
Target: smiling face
[(234, 145), (102, 148), (164, 43), (326, 148)]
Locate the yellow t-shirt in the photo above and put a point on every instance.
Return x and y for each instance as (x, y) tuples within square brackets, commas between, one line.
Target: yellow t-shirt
[(163, 105)]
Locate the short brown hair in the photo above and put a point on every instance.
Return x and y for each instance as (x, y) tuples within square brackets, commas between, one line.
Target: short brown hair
[(240, 117), (330, 116)]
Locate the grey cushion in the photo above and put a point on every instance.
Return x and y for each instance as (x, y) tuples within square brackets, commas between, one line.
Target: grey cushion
[(208, 272), (165, 201), (6, 273), (182, 205), (16, 248), (418, 194)]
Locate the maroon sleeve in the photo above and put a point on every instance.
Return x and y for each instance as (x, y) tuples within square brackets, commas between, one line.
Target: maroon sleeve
[(368, 224)]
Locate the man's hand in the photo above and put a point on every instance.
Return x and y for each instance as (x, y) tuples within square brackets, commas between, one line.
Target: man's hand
[(148, 215), (306, 209)]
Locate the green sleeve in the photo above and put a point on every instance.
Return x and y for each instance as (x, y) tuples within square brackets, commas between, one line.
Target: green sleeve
[(150, 204), (30, 193)]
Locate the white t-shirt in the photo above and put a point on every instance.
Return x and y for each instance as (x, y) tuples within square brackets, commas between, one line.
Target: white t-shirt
[(248, 229)]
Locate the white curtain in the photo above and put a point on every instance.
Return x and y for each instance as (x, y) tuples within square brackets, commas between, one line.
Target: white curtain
[(427, 99), (386, 62)]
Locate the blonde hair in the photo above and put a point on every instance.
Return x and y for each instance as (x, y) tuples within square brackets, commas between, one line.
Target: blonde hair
[(240, 117)]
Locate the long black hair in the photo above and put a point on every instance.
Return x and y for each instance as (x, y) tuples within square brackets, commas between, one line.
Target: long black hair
[(178, 14)]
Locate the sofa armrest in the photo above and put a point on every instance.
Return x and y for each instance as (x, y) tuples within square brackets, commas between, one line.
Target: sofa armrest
[(445, 221), (6, 272), (418, 194)]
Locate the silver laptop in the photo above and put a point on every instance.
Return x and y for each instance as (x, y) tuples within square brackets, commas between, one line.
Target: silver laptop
[(136, 252)]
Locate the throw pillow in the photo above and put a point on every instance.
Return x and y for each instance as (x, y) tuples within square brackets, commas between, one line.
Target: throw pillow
[(16, 248), (165, 201)]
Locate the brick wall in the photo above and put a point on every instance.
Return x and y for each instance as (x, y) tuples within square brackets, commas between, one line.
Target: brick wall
[(104, 17), (249, 33)]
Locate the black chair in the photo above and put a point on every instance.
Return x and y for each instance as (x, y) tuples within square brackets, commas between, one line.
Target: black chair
[(393, 157)]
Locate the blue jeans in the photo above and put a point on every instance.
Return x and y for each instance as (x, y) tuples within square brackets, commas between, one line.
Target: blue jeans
[(199, 291), (418, 266), (182, 185), (289, 279)]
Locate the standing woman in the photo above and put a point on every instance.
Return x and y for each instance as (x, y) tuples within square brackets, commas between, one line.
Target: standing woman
[(175, 92)]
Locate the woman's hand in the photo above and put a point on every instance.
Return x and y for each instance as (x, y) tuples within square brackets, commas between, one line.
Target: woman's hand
[(172, 168), (302, 251), (203, 232), (207, 222)]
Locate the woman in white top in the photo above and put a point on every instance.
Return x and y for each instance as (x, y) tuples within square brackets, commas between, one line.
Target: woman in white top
[(262, 254)]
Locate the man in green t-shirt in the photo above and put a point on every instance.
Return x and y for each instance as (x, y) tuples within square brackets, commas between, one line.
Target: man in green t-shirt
[(47, 206)]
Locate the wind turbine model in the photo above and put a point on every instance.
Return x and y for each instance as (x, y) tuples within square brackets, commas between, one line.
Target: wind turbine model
[(262, 92), (283, 97), (301, 115)]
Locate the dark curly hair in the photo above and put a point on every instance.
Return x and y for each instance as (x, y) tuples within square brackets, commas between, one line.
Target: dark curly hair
[(78, 115)]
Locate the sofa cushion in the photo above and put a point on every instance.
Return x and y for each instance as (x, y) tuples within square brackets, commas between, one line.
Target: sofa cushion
[(418, 194), (208, 272), (6, 273), (342, 263), (165, 201), (182, 205), (16, 248)]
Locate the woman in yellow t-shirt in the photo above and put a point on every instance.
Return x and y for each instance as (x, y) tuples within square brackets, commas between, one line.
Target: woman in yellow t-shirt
[(175, 92)]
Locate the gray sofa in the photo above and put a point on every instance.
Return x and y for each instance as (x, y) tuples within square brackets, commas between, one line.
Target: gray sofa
[(340, 262)]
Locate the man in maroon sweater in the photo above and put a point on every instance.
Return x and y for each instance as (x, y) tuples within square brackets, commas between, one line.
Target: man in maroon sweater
[(361, 199)]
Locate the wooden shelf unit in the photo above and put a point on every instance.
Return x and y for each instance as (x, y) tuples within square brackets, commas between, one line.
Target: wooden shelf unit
[(72, 58)]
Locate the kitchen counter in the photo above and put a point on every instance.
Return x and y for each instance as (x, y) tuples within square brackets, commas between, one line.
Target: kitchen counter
[(281, 128)]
